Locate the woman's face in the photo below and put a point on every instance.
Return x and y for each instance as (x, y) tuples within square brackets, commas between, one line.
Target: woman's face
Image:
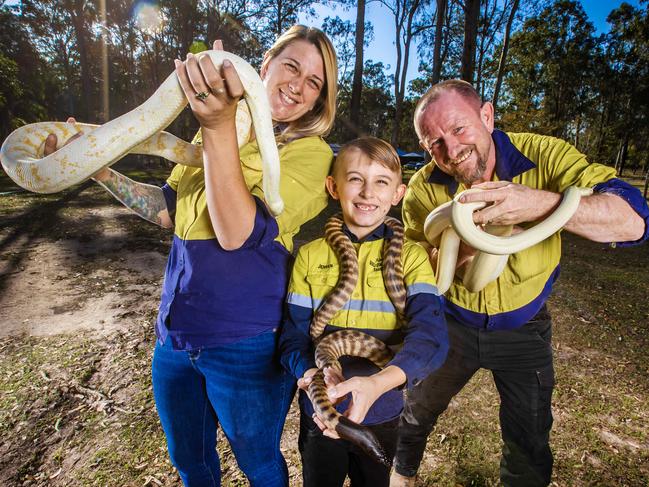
[(294, 79)]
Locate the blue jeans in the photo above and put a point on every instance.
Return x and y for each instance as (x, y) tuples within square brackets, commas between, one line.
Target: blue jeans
[(240, 386)]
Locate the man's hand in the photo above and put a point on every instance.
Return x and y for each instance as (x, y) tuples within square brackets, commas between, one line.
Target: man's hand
[(51, 146), (52, 141), (511, 203), (465, 253)]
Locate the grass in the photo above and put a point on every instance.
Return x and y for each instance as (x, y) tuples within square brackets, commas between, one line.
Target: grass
[(78, 409)]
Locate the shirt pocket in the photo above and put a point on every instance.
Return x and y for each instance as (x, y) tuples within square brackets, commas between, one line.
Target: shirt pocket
[(380, 313), (321, 284)]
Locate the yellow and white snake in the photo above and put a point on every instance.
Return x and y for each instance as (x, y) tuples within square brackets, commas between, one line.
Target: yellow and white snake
[(452, 221), (353, 342), (138, 131)]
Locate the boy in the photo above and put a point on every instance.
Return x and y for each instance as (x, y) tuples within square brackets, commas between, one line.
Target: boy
[(366, 179)]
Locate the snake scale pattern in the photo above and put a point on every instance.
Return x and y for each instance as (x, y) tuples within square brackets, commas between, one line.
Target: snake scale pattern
[(353, 342), (138, 131)]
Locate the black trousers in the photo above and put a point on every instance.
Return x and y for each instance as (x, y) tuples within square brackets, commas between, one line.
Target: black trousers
[(327, 462), (521, 363)]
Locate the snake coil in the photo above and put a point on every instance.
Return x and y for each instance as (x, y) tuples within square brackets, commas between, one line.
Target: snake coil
[(138, 131), (353, 342), (452, 221)]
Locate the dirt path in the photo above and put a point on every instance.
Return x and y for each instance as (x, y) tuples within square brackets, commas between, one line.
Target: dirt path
[(79, 286)]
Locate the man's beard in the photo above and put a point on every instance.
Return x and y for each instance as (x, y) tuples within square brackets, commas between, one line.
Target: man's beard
[(476, 174)]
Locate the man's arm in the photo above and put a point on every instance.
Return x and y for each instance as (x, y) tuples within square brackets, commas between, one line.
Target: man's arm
[(145, 200), (602, 217)]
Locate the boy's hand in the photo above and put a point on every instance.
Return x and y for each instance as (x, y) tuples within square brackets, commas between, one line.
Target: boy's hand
[(364, 390), (332, 377)]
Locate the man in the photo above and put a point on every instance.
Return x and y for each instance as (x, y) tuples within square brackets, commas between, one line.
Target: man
[(505, 327)]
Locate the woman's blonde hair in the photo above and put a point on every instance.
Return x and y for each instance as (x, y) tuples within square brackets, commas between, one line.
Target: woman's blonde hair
[(320, 119)]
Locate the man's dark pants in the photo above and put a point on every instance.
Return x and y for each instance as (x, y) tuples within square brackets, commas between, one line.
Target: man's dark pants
[(521, 363)]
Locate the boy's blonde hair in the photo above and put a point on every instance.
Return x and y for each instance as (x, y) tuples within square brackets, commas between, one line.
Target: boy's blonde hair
[(376, 149)]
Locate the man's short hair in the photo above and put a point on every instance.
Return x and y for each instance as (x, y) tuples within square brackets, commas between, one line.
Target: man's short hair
[(376, 149), (462, 88)]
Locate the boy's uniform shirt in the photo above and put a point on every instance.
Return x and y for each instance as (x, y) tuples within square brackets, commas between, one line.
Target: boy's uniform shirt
[(424, 335), (536, 161)]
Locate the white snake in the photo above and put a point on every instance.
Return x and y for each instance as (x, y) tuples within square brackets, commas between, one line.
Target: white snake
[(452, 221), (138, 131)]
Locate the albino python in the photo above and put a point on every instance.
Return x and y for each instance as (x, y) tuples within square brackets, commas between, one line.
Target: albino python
[(138, 131), (353, 342), (452, 221)]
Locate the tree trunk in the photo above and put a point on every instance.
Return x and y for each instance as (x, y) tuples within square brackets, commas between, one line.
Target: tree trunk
[(437, 49), (401, 71), (76, 10), (624, 150), (471, 15), (357, 83), (503, 54)]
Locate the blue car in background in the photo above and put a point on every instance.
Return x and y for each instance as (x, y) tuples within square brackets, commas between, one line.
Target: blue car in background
[(412, 161)]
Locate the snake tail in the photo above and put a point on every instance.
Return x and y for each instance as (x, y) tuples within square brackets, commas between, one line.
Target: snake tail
[(357, 434), (364, 438)]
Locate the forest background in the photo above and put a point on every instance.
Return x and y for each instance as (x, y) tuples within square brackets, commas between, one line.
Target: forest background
[(541, 63), (80, 275)]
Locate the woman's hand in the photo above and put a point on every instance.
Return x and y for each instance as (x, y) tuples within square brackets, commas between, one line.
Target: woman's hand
[(304, 381), (220, 89)]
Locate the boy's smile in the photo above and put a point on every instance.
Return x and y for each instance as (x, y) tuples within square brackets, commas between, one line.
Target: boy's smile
[(366, 190)]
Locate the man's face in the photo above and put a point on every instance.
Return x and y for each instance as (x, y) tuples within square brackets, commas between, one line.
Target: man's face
[(457, 134)]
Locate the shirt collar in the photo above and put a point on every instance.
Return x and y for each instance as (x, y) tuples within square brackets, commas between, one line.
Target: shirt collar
[(510, 162), (382, 231)]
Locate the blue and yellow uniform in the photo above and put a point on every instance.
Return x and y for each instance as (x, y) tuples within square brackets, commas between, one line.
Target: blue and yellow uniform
[(535, 161), (211, 296), (370, 310), (505, 328)]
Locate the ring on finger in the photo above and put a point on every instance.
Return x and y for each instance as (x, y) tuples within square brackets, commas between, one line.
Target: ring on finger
[(202, 95)]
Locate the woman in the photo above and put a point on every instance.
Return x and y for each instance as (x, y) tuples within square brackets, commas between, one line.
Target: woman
[(225, 281)]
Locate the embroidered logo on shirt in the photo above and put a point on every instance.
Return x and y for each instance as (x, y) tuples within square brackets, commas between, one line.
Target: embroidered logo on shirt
[(377, 265), (325, 266)]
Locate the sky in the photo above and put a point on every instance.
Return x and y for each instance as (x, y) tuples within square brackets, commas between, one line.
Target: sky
[(382, 48)]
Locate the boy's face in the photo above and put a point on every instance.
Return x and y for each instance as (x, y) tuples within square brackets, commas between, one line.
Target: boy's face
[(366, 190)]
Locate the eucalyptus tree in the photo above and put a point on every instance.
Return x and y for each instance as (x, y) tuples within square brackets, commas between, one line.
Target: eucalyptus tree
[(627, 50), (25, 82), (409, 22), (550, 78)]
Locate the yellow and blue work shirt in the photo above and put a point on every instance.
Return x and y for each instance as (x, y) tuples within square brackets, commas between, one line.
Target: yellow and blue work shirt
[(211, 296), (536, 161), (424, 335)]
